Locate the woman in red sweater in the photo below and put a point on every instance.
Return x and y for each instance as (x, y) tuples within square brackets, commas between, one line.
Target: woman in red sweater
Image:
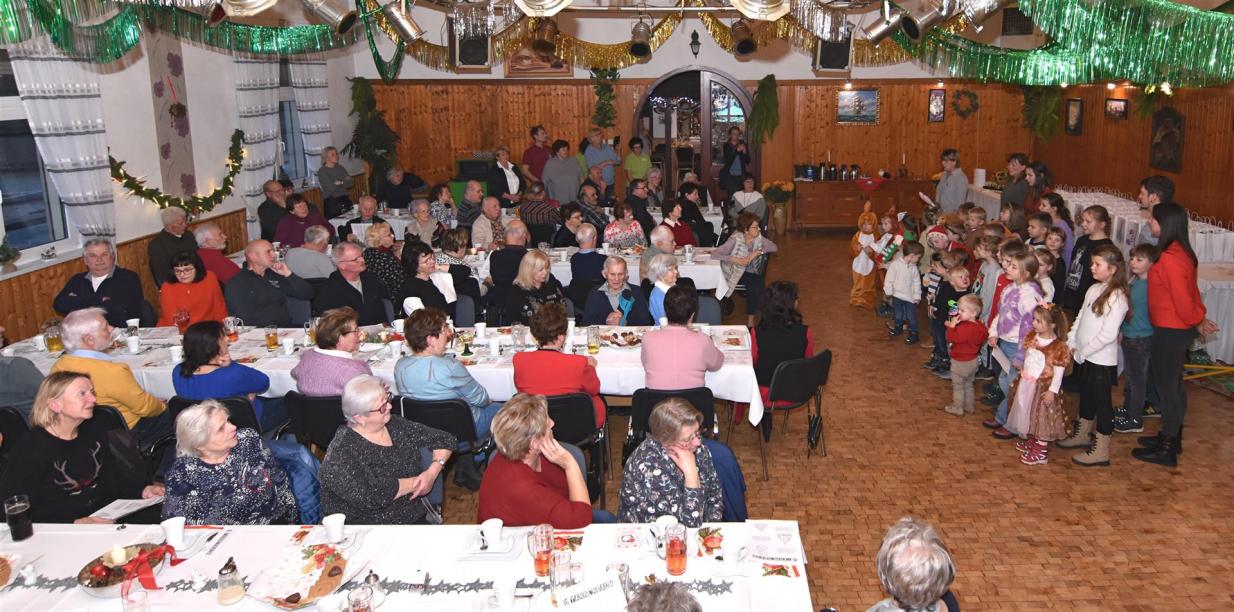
[(533, 479), (193, 290), (682, 233), (548, 371), (1176, 312)]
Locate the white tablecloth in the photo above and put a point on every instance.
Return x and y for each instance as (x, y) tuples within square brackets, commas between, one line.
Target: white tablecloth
[(397, 224), (704, 271), (421, 567), (1212, 243), (987, 199), (1217, 290), (620, 370)]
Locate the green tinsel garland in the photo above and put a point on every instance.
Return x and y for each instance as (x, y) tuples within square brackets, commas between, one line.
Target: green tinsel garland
[(388, 70), (193, 204)]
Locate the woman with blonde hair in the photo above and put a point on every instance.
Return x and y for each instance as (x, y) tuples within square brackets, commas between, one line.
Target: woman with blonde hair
[(533, 287), (671, 472), (533, 478), (66, 467), (381, 256), (224, 475)]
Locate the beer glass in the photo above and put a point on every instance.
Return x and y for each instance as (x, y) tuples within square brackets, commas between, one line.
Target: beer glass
[(272, 338), (21, 523), (231, 325), (675, 549), (540, 545), (593, 340)]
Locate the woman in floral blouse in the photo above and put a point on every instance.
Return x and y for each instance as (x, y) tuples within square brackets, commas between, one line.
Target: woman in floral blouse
[(671, 472), (225, 476), (625, 231), (442, 205), (382, 258)]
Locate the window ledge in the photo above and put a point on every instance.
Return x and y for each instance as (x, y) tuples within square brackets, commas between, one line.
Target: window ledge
[(29, 263)]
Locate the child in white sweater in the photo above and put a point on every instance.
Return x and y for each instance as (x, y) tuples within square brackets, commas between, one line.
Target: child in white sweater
[(903, 284)]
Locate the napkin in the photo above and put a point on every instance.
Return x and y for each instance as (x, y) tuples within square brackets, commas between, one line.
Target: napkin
[(412, 304)]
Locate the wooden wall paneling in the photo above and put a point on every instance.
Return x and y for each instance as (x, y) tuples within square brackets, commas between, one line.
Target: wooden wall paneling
[(1113, 153), (25, 301)]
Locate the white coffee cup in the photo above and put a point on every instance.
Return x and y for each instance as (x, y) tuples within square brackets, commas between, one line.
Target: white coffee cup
[(494, 346), (134, 344), (334, 527), (132, 323), (399, 325), (173, 531), (503, 591), (565, 256), (492, 531), (177, 353), (396, 349), (480, 328), (40, 342), (570, 332), (289, 345)]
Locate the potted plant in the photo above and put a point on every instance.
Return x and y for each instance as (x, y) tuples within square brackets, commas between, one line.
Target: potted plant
[(778, 193), (8, 256), (372, 140)]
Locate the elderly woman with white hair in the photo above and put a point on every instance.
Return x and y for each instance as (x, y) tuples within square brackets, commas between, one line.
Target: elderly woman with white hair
[(224, 475), (916, 570), (373, 471), (672, 472), (663, 273), (423, 227)]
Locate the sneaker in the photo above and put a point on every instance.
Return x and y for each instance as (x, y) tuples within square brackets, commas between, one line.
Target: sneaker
[(1151, 412), (992, 399), (984, 373), (991, 424), (943, 374), (1121, 413), (894, 331), (1038, 455), (1128, 425), (911, 339), (1002, 433), (932, 363), (1026, 445)]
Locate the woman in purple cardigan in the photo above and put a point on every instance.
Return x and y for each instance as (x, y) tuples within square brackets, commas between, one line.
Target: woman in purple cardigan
[(327, 368), (677, 357), (291, 227)]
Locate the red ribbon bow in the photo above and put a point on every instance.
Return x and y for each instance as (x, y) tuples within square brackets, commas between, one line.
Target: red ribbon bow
[(141, 567)]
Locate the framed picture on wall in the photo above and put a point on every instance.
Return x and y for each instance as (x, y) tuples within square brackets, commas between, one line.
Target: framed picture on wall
[(936, 109), (1115, 108), (857, 107), (1073, 123), (526, 63), (1165, 148)]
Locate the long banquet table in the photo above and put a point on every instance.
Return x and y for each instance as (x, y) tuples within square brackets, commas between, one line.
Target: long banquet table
[(421, 567), (620, 369), (704, 270)]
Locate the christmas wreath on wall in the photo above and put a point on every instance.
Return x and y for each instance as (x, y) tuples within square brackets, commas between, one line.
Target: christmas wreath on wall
[(964, 103), (193, 204)]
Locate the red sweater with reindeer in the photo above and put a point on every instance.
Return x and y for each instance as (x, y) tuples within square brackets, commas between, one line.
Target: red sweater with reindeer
[(66, 479)]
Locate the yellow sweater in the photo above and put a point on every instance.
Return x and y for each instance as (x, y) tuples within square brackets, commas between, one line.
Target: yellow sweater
[(114, 385)]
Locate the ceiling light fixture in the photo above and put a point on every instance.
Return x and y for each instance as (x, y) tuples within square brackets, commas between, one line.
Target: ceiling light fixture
[(338, 15), (406, 27), (541, 8), (640, 39), (544, 40), (763, 10), (886, 25), (743, 39)]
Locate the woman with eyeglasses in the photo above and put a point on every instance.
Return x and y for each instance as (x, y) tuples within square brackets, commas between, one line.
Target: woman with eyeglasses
[(374, 471), (326, 368), (191, 291), (671, 472)]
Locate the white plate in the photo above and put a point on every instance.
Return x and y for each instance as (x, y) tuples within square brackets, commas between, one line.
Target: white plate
[(487, 600), (472, 545)]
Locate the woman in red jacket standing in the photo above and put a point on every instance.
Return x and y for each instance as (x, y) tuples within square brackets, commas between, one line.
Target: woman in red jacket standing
[(1176, 312)]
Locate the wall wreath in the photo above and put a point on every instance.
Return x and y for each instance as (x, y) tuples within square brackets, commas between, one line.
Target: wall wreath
[(193, 204), (964, 103)]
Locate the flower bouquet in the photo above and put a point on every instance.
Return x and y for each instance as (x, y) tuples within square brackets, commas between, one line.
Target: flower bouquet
[(778, 192)]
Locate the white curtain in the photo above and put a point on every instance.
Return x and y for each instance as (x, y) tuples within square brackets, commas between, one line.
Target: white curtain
[(257, 102), (65, 111), (310, 86)]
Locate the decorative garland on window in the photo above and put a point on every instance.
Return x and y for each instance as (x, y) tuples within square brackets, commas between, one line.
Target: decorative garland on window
[(964, 103), (195, 204)]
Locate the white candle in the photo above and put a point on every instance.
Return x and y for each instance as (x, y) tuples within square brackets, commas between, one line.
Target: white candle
[(117, 556), (904, 159), (828, 154)]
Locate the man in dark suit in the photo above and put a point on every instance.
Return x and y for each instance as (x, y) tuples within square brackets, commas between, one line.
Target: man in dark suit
[(616, 302), (503, 263), (171, 241), (272, 209), (103, 284), (636, 197), (353, 286)]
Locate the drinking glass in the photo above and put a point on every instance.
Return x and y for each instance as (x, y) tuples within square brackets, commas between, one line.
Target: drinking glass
[(518, 334), (559, 573), (593, 340), (272, 338), (181, 318), (136, 600), (17, 515), (310, 331), (675, 549), (360, 599), (231, 325), (540, 545), (466, 337), (52, 336)]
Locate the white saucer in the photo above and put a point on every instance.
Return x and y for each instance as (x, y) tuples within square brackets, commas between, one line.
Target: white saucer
[(472, 545)]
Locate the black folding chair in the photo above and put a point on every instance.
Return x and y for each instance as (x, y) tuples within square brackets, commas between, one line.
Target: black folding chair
[(314, 420), (151, 453), (794, 383), (240, 410), (464, 311), (12, 426), (451, 416), (645, 400), (574, 421)]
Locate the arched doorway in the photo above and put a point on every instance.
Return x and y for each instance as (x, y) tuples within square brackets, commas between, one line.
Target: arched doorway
[(684, 120)]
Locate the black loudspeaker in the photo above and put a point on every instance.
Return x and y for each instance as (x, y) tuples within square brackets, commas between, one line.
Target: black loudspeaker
[(833, 56), (469, 53)]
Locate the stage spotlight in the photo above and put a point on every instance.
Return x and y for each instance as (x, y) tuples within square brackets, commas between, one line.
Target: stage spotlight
[(919, 20), (406, 27), (884, 26), (743, 39), (332, 12)]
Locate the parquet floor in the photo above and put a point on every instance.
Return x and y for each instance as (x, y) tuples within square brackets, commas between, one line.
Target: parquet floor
[(1129, 537)]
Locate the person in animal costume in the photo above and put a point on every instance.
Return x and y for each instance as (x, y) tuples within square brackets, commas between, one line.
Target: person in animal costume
[(885, 249), (864, 253)]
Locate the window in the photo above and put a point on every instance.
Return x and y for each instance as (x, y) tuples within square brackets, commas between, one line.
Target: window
[(30, 210), (291, 143)]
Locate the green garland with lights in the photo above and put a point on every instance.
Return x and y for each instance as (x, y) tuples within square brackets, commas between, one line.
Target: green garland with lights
[(193, 204)]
